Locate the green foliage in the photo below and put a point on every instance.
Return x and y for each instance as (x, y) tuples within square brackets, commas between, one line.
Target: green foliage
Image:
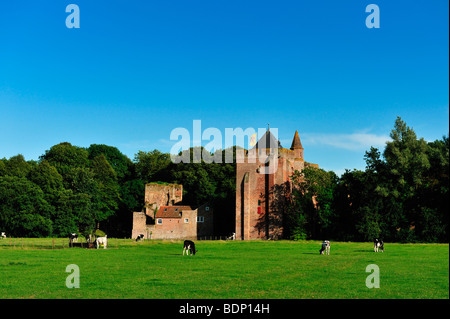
[(99, 233), (402, 195), (150, 166), (24, 210), (2, 167), (122, 166), (313, 199), (65, 157)]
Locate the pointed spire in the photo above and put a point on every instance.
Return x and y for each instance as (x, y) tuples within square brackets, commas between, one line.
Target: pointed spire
[(296, 144), (268, 140)]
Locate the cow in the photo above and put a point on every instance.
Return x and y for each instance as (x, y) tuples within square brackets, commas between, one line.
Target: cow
[(325, 247), (73, 237), (140, 237), (232, 237), (189, 247), (102, 241), (2, 235), (378, 245)]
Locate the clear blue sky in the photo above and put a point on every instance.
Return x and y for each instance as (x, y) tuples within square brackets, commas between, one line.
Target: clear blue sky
[(136, 70)]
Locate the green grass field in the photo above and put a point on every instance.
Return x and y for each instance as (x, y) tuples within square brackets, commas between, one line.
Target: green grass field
[(223, 269)]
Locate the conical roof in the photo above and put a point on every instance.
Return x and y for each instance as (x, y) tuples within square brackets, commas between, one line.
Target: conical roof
[(268, 140), (296, 144)]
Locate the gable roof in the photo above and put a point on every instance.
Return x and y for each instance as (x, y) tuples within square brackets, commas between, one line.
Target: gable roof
[(171, 211), (268, 140)]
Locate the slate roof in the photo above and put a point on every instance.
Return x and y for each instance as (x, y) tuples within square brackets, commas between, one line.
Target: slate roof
[(268, 140)]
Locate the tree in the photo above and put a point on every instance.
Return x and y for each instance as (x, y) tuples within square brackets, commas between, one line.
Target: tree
[(106, 197), (121, 164), (17, 166), (24, 210), (151, 166), (313, 194), (66, 157)]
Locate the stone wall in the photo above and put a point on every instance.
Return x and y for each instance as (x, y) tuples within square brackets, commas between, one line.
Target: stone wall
[(157, 195)]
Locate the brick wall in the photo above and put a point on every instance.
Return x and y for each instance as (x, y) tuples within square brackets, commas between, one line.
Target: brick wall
[(157, 195), (253, 191), (177, 228)]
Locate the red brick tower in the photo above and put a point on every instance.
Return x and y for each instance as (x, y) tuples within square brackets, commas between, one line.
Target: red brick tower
[(254, 188)]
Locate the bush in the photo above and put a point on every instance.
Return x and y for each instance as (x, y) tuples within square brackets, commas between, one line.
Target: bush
[(99, 233)]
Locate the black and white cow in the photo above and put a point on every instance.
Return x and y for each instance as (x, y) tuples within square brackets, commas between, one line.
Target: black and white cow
[(325, 247), (140, 237), (2, 235), (73, 237), (189, 247), (378, 245)]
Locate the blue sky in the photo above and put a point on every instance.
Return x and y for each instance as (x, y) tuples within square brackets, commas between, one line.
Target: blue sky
[(136, 70)]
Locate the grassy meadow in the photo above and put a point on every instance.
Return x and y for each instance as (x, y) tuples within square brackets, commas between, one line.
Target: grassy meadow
[(222, 269)]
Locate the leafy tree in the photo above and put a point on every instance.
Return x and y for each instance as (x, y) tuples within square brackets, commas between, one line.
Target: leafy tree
[(47, 178), (24, 210), (150, 166), (17, 166), (65, 157), (314, 193), (121, 164), (2, 167), (106, 197)]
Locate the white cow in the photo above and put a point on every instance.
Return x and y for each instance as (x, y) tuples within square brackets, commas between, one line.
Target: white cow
[(325, 247), (102, 241), (2, 235), (232, 237)]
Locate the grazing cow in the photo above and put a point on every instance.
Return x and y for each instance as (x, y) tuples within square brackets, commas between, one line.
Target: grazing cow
[(232, 237), (378, 245), (2, 235), (325, 247), (73, 237), (101, 241), (189, 247), (140, 237)]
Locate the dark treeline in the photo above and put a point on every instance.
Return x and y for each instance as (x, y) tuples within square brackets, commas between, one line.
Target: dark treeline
[(76, 189), (401, 196)]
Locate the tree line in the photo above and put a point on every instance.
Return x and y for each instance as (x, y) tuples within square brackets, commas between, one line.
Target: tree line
[(402, 195), (75, 189)]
